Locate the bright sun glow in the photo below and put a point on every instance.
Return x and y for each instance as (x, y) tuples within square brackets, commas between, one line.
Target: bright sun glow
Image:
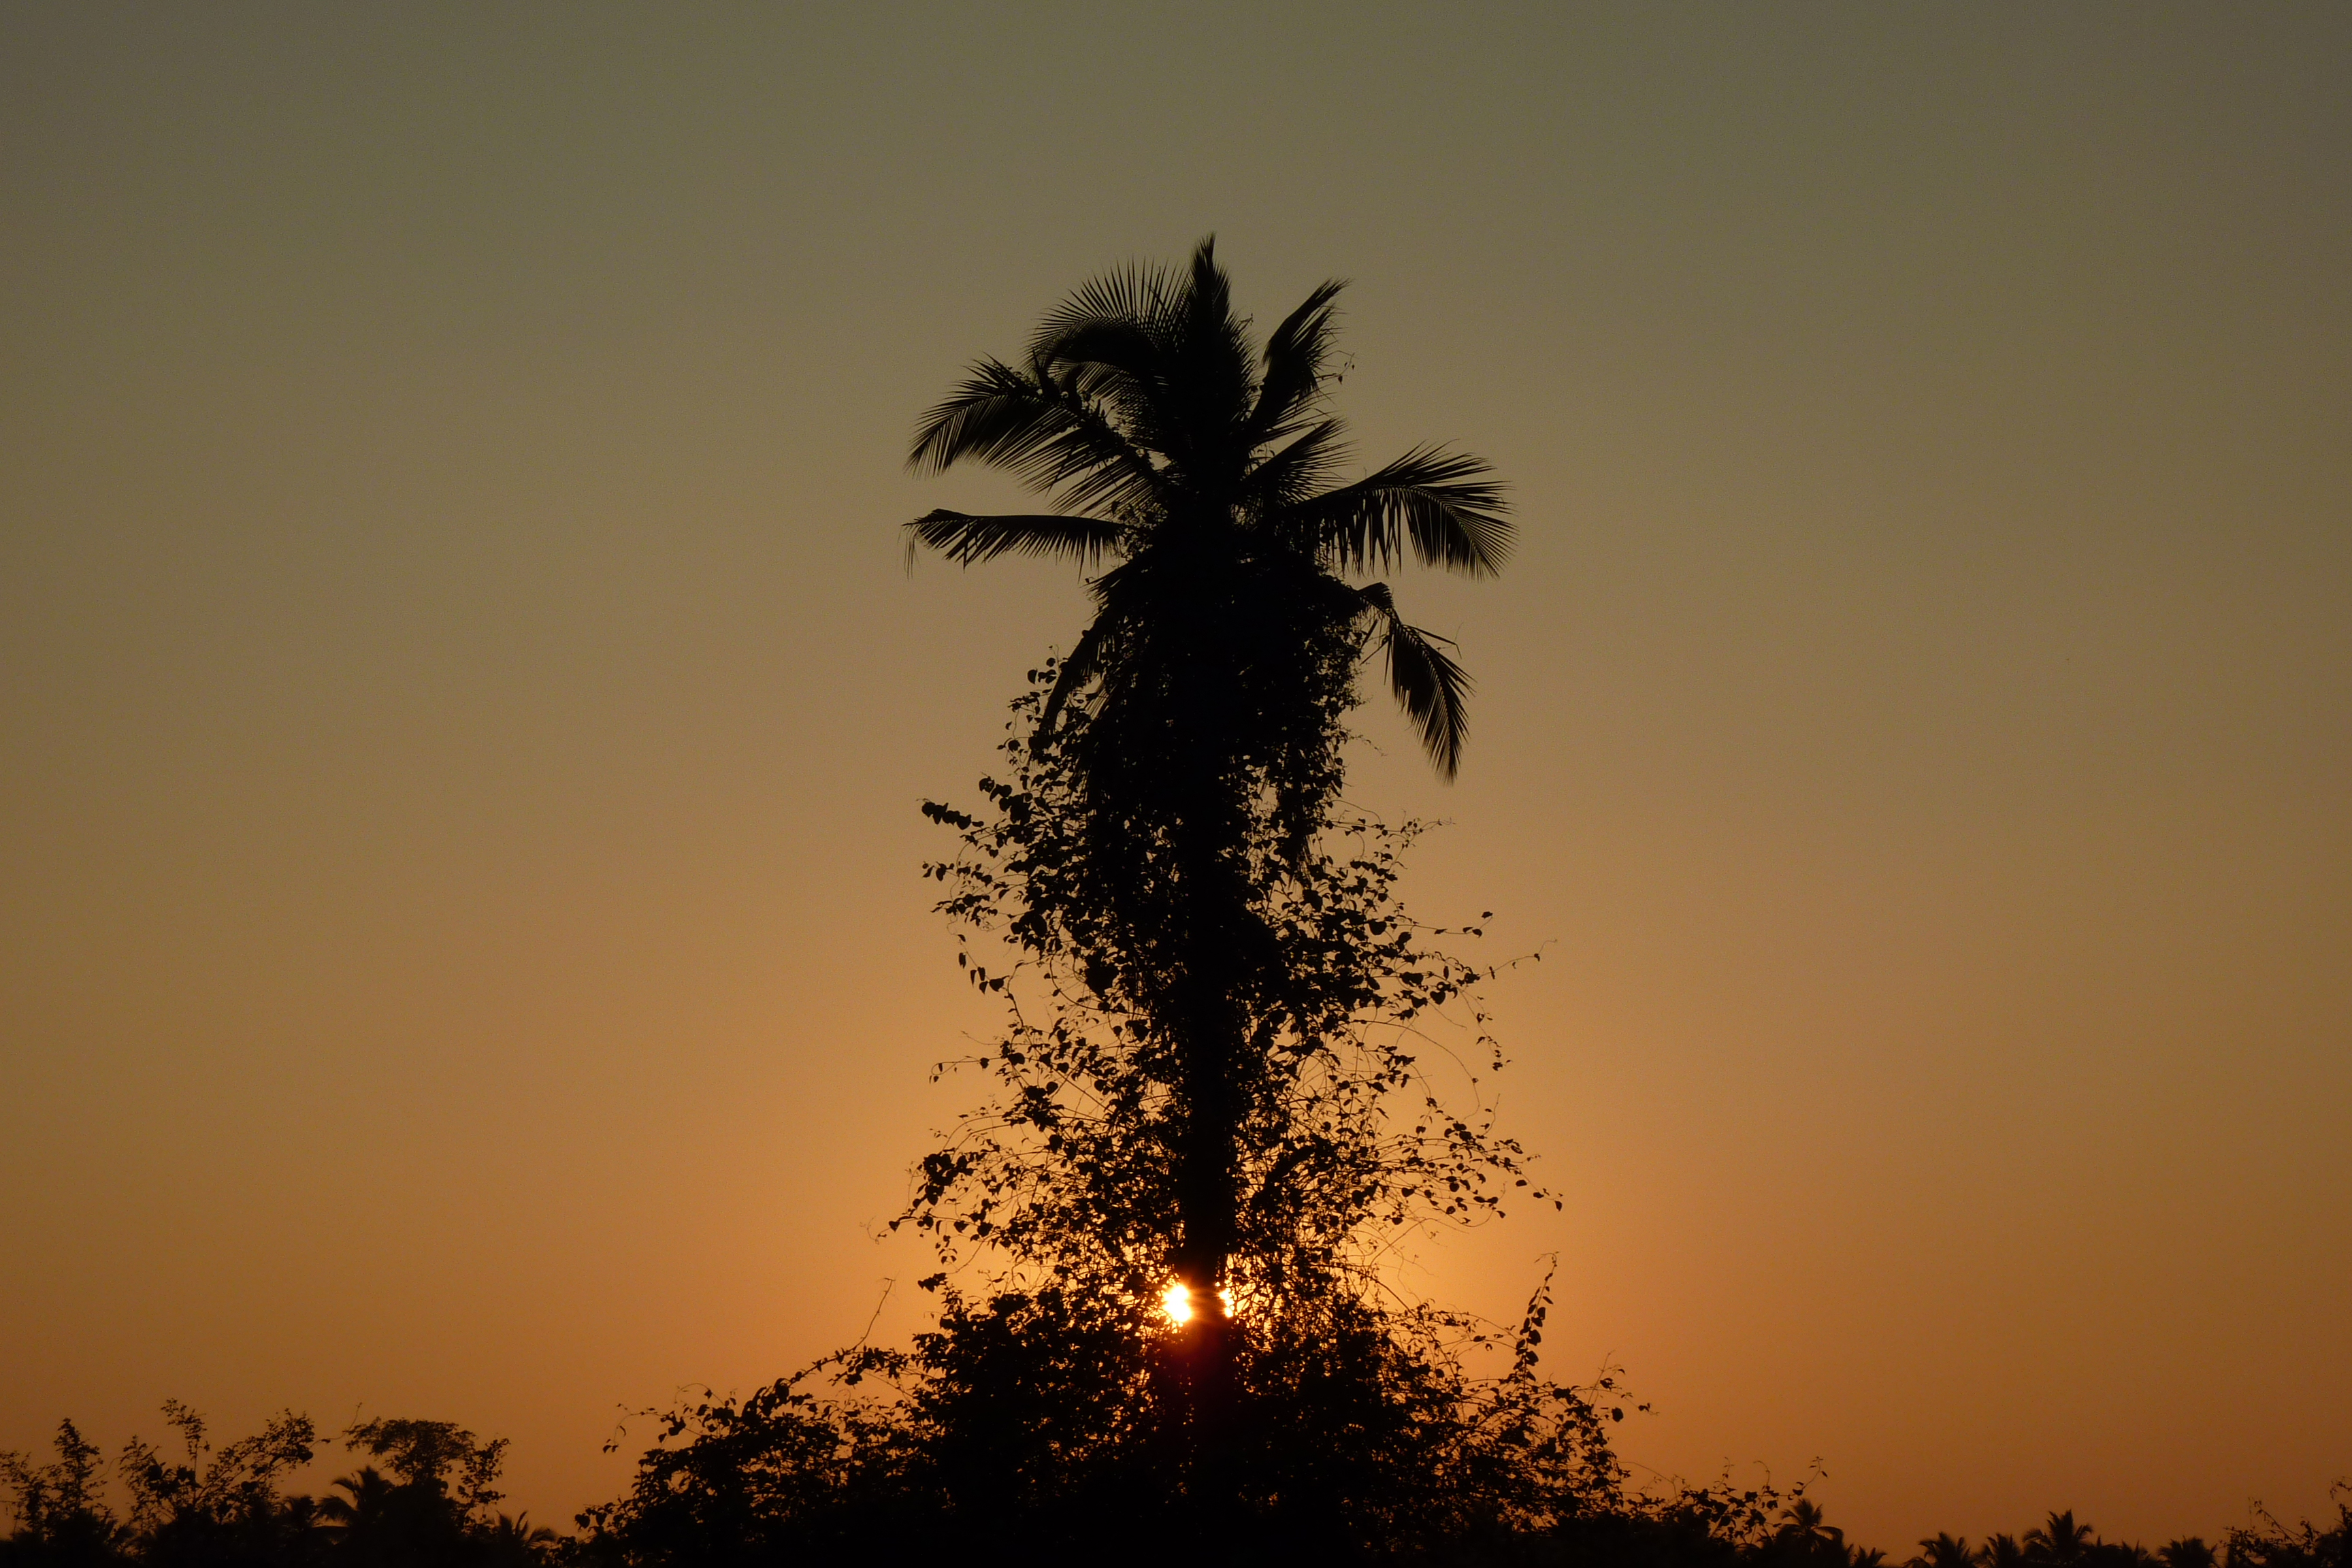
[(1177, 1302)]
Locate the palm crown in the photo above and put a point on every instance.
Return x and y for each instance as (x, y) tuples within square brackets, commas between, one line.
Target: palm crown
[(1206, 467)]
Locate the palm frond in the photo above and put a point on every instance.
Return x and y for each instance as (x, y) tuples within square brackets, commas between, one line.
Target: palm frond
[(1088, 462), (1191, 406), (968, 540), (995, 411), (1135, 295), (1282, 478), (1077, 671), (1103, 343), (1295, 354), (1208, 298), (1434, 689), (1036, 429), (1117, 369), (1100, 358), (1430, 500)]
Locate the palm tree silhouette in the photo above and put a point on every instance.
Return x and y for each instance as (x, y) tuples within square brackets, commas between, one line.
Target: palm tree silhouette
[(1805, 1531), (1226, 635), (1204, 467), (2061, 1543), (367, 1498), (1944, 1551), (2001, 1552), (380, 1521), (514, 1540)]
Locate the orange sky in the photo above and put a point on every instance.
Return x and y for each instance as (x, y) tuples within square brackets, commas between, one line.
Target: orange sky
[(462, 714)]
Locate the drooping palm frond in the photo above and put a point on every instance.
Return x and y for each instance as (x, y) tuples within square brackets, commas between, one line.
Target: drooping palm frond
[(1109, 344), (1430, 500), (1434, 689), (996, 414), (1102, 358), (968, 540), (1120, 377), (1077, 671), (1292, 473), (1047, 434)]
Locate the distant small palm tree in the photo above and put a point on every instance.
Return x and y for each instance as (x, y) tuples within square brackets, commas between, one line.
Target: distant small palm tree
[(367, 1500), (2188, 1551), (514, 1543), (382, 1521), (2061, 1543), (1942, 1550), (1802, 1523), (2002, 1552)]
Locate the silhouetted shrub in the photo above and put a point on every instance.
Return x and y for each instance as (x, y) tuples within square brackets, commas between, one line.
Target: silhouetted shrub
[(223, 1508), (2269, 1545)]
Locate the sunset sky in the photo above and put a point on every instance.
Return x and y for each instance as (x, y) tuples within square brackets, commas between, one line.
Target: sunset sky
[(463, 708)]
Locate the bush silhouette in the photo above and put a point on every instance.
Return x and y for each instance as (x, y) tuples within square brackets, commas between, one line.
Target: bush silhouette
[(203, 1507)]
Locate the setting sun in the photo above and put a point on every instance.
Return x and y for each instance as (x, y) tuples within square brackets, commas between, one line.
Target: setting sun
[(1177, 1302)]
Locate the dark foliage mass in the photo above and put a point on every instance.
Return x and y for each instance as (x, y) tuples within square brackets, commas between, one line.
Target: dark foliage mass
[(429, 1496), (756, 1466)]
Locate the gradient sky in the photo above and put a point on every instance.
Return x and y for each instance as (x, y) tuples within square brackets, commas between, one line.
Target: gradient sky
[(462, 713)]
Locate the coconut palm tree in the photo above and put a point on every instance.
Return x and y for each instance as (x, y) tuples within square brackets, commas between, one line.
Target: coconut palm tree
[(1204, 467), (513, 1541), (1226, 629), (1944, 1551), (2002, 1552), (1804, 1524), (2061, 1543), (2188, 1551), (380, 1521)]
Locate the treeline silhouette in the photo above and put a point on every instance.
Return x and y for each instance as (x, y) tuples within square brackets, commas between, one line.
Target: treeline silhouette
[(429, 1499)]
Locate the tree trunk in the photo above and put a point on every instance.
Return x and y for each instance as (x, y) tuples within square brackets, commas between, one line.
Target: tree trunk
[(1214, 908)]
